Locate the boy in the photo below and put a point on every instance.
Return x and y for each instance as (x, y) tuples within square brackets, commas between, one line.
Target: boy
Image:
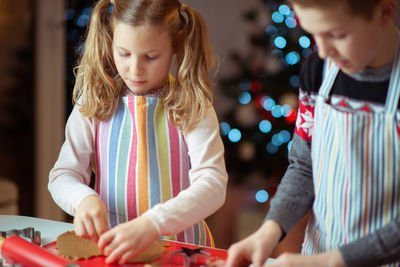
[(345, 166)]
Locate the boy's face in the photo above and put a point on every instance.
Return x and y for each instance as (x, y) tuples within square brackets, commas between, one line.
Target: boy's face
[(351, 41), (142, 55)]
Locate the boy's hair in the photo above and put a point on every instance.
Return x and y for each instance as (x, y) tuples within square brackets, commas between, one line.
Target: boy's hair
[(363, 8), (190, 93)]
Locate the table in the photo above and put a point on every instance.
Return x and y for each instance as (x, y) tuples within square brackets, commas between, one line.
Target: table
[(49, 229)]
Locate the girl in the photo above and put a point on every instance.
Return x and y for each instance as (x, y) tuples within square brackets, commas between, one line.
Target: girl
[(152, 141), (345, 154)]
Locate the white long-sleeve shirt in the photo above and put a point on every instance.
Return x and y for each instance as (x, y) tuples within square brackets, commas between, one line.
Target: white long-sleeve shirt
[(70, 177)]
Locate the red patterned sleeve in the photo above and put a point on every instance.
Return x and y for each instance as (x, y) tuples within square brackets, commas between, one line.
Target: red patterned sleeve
[(305, 115)]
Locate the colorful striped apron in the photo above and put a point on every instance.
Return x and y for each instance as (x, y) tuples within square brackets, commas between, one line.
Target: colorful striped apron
[(356, 169), (142, 160)]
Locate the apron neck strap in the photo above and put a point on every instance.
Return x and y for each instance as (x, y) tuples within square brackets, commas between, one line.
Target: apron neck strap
[(329, 74), (392, 98)]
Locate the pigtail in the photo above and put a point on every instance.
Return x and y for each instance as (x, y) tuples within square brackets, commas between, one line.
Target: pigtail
[(95, 86), (190, 94)]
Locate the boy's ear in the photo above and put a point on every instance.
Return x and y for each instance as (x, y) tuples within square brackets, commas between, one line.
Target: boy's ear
[(387, 9)]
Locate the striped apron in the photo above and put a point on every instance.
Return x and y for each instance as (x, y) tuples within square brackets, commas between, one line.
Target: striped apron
[(356, 169), (142, 160)]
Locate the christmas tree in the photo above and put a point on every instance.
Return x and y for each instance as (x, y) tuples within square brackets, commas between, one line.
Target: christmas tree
[(264, 84)]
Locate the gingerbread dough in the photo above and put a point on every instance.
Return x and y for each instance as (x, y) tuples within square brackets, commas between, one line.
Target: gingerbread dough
[(74, 247)]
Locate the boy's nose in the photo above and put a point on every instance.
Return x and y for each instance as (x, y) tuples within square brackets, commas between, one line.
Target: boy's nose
[(324, 48)]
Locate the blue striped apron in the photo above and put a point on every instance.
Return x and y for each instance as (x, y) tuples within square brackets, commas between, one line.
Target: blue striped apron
[(356, 169), (142, 160)]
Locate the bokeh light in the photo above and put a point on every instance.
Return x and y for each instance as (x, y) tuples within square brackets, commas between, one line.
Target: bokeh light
[(271, 148), (268, 103), (284, 10), (244, 98), (244, 85), (280, 42), (294, 81), (271, 30), (304, 41), (225, 128), (277, 17), (284, 136), (292, 58), (234, 135), (291, 22), (265, 126), (262, 196), (276, 111)]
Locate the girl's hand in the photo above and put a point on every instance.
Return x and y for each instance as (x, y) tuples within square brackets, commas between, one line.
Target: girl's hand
[(90, 220), (327, 259), (256, 248), (127, 239)]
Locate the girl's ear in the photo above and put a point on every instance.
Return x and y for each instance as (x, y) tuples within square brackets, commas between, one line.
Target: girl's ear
[(387, 11), (178, 42)]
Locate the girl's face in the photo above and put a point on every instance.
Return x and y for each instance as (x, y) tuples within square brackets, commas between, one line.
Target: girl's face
[(142, 55), (352, 42)]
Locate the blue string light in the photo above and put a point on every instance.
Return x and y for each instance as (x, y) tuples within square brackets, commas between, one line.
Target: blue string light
[(286, 110), (280, 42), (276, 111), (277, 17), (275, 140), (292, 58), (265, 126), (284, 136), (244, 85), (110, 9), (268, 103), (82, 20), (271, 30), (244, 98), (284, 10), (294, 81), (225, 128), (304, 42), (271, 148), (290, 22), (234, 135), (261, 196)]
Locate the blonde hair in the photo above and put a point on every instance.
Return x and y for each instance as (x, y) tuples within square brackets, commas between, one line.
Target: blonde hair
[(189, 94), (363, 8)]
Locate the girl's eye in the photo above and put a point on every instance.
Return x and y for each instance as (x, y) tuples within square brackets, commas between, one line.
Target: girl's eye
[(151, 57), (124, 54)]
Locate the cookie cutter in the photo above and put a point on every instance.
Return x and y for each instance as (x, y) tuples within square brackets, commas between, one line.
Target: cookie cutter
[(26, 233), (189, 257)]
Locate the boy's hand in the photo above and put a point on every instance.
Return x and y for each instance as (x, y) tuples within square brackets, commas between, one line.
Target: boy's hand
[(327, 259), (90, 220), (256, 248), (127, 239)]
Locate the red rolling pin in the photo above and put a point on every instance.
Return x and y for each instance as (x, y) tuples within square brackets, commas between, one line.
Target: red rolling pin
[(17, 250)]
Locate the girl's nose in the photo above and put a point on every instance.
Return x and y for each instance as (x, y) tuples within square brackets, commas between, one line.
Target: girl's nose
[(135, 66)]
